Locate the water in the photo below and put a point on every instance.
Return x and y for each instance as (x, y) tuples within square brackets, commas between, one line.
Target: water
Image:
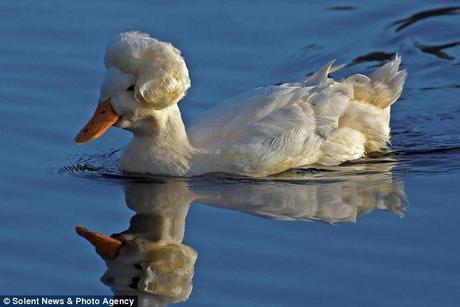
[(380, 232)]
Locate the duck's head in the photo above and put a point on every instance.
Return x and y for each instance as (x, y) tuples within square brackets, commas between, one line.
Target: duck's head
[(144, 76)]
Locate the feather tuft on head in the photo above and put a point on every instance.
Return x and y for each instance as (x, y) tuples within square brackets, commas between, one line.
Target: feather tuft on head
[(161, 74)]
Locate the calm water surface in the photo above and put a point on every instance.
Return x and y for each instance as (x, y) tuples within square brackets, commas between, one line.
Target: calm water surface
[(378, 232)]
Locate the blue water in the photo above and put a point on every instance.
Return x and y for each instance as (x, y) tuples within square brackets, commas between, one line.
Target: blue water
[(379, 232)]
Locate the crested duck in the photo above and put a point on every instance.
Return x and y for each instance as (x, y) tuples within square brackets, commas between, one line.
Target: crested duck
[(259, 133)]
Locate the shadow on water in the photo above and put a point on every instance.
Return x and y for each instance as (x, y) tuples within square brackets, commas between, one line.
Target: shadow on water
[(150, 260)]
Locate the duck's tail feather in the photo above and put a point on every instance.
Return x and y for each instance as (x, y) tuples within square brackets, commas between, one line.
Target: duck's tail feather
[(320, 76), (383, 87)]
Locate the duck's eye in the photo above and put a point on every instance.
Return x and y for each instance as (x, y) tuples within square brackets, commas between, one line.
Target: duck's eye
[(130, 89)]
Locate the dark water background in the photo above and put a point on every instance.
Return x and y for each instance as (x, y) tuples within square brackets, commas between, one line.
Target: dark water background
[(390, 233)]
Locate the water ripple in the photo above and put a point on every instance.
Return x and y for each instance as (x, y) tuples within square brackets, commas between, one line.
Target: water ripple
[(403, 161), (438, 50), (406, 22)]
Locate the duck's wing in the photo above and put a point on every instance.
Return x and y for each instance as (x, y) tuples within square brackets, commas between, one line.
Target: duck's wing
[(272, 129)]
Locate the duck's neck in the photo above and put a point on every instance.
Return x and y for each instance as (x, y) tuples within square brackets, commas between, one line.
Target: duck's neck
[(160, 146)]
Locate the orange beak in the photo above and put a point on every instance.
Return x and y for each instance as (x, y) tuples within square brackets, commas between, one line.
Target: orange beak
[(104, 117)]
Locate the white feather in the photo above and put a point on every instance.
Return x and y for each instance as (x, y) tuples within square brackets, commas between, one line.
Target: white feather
[(259, 133)]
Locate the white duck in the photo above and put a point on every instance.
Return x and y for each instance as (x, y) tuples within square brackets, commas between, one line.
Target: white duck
[(262, 132)]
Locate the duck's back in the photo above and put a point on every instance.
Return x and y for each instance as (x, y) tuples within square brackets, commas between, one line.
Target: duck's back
[(269, 130)]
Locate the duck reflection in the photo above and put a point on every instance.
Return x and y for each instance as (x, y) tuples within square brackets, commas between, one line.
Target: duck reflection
[(150, 260), (149, 257)]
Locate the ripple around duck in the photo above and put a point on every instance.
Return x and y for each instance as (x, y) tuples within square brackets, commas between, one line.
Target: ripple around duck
[(402, 162)]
